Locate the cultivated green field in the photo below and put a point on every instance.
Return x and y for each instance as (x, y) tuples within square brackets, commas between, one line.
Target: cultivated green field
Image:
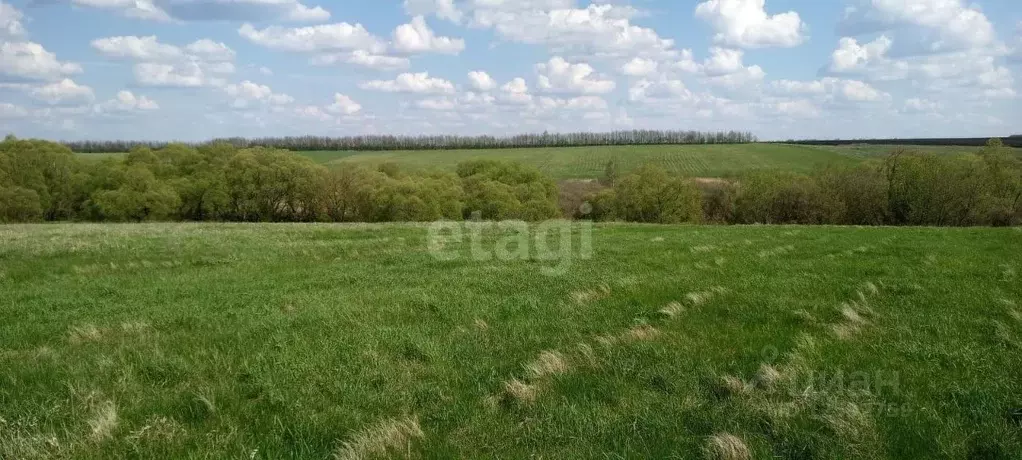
[(314, 341), (589, 162)]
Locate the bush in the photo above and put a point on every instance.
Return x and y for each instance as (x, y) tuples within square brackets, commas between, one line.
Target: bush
[(651, 195), (420, 198), (861, 191), (1004, 173), (574, 196), (603, 205), (937, 190), (719, 201), (503, 190), (783, 198)]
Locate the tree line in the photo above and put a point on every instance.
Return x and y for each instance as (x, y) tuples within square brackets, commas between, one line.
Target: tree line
[(445, 142), (46, 181)]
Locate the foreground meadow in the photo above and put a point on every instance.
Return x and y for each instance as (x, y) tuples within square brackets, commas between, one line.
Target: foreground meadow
[(356, 341)]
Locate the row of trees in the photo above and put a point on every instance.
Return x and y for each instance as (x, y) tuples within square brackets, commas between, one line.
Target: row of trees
[(42, 180), (313, 143), (903, 189)]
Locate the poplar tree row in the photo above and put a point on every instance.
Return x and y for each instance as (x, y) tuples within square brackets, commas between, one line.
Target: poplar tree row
[(383, 142)]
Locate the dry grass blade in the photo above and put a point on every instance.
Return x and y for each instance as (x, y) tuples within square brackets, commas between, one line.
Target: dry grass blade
[(104, 420), (724, 446), (390, 438), (548, 363)]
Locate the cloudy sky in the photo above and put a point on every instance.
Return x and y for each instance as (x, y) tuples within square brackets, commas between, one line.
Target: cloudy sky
[(195, 69)]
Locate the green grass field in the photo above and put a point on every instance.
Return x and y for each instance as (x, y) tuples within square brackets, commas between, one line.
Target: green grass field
[(564, 163), (589, 162), (333, 341)]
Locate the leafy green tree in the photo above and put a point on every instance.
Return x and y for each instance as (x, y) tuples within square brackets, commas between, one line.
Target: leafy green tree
[(43, 167), (491, 199), (273, 185), (140, 197), (340, 193), (19, 204)]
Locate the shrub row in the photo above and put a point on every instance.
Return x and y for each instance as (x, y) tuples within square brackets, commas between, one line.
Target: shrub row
[(42, 180), (903, 189)]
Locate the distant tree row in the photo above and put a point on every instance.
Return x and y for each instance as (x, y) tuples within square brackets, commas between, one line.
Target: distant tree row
[(383, 142)]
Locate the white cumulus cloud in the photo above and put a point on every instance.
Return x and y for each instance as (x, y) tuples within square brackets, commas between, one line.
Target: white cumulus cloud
[(559, 75), (417, 37), (600, 29), (138, 9), (921, 26), (326, 37), (137, 48), (481, 81), (640, 67), (850, 55), (210, 50), (344, 105), (126, 101), (211, 10), (746, 24), (10, 22), (443, 9), (832, 90), (365, 59), (245, 94), (63, 92), (410, 83), (28, 60), (174, 75)]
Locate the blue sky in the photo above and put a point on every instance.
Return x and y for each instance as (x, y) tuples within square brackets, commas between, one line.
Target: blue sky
[(196, 69)]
